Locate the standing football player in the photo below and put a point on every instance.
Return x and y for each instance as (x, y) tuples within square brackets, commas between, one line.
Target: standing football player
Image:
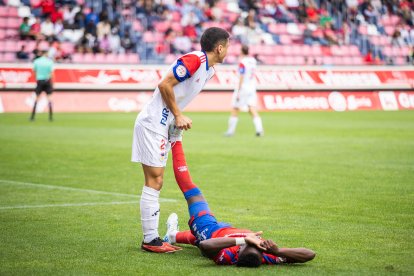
[(244, 95), (182, 83)]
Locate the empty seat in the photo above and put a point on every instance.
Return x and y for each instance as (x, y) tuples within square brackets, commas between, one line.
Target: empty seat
[(132, 58)]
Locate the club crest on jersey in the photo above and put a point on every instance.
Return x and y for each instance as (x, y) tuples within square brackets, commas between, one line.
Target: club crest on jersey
[(181, 71), (164, 116)]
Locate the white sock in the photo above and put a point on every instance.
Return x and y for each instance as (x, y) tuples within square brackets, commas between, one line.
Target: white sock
[(257, 121), (232, 124), (150, 213), (172, 236)]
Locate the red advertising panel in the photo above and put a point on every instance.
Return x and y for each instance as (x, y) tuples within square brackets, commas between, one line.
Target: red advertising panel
[(270, 78), (213, 101)]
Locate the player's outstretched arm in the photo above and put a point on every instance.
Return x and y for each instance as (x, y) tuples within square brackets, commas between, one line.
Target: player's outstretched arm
[(292, 255), (211, 247), (167, 94)]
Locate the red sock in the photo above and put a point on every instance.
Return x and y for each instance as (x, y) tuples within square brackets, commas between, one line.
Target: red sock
[(182, 175), (185, 237)]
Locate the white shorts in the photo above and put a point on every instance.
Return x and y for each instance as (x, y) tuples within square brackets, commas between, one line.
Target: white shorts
[(149, 147), (243, 99)]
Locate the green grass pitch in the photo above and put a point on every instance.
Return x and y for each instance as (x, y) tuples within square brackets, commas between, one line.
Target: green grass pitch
[(341, 184)]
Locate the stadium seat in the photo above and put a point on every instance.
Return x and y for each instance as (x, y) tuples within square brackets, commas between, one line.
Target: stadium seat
[(170, 59), (234, 49), (3, 11), (88, 58), (99, 58), (9, 57), (77, 58), (137, 26), (2, 34), (316, 50), (354, 50), (10, 46), (285, 39), (3, 23), (357, 61), (13, 23), (400, 61), (162, 26), (132, 58), (326, 60), (12, 33)]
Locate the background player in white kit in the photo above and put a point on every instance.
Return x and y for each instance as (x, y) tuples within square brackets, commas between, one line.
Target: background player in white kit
[(151, 141), (245, 94)]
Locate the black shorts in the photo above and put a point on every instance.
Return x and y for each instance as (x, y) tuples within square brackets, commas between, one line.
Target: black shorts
[(44, 85)]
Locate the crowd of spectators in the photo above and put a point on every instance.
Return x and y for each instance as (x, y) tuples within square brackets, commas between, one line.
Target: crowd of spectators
[(155, 29)]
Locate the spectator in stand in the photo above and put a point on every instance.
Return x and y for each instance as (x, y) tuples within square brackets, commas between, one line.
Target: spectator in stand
[(371, 59), (406, 12), (301, 13), (396, 39), (91, 29), (85, 44), (329, 35), (104, 44), (24, 29), (22, 54), (92, 17), (47, 29), (47, 8), (127, 43), (115, 42), (35, 29), (36, 51), (80, 19), (56, 53), (189, 22), (69, 13), (410, 57), (103, 28), (282, 14), (312, 12), (239, 32), (182, 44), (371, 15), (58, 30), (308, 34)]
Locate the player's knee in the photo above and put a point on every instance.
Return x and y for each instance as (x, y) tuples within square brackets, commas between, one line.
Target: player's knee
[(156, 182)]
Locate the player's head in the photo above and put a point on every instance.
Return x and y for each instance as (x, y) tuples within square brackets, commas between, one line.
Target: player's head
[(245, 50), (215, 40), (249, 256)]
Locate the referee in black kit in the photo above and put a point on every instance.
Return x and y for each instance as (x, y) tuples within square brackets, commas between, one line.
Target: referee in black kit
[(43, 69)]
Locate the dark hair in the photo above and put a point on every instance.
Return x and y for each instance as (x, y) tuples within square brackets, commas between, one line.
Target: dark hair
[(245, 50), (213, 36), (250, 257)]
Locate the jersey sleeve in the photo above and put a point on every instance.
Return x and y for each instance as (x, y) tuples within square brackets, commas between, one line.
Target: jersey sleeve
[(186, 66), (227, 256), (272, 259), (242, 68)]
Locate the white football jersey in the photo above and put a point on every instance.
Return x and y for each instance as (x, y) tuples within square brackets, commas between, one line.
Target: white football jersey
[(193, 73), (247, 68)]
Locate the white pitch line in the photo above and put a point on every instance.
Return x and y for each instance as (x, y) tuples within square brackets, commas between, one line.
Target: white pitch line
[(67, 205), (45, 186)]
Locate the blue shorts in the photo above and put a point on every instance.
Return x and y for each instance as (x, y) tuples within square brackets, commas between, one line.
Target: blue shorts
[(202, 222)]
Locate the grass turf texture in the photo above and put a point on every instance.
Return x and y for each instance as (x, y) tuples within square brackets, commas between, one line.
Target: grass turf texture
[(338, 183)]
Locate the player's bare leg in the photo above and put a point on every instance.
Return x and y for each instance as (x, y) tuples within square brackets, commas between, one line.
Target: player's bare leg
[(257, 121), (150, 211)]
